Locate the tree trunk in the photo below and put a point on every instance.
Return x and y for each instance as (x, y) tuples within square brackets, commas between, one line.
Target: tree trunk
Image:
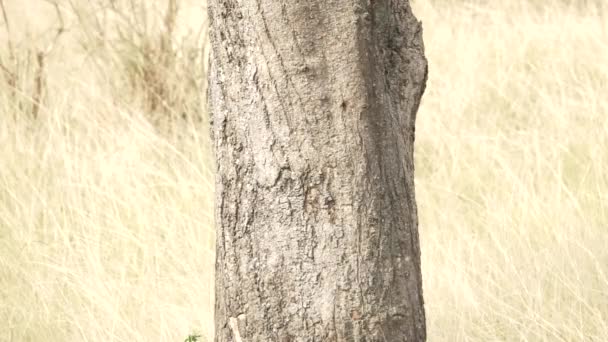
[(313, 105)]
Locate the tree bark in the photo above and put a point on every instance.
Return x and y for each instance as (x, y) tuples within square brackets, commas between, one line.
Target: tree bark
[(313, 105)]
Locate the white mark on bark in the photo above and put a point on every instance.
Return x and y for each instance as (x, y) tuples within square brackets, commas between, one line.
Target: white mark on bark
[(234, 326)]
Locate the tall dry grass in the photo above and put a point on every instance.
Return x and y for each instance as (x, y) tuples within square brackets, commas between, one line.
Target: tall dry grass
[(512, 170), (106, 220)]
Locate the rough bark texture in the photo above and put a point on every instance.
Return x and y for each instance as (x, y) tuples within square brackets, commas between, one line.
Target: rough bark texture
[(313, 105)]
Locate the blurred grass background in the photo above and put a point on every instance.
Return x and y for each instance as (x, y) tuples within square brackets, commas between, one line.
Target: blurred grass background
[(106, 176)]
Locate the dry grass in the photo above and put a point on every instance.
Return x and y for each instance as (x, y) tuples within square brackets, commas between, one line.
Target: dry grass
[(512, 178), (105, 221)]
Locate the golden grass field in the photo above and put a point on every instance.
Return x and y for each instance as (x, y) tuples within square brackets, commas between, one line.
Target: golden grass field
[(106, 224)]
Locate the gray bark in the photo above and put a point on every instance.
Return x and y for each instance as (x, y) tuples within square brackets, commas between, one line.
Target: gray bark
[(313, 105)]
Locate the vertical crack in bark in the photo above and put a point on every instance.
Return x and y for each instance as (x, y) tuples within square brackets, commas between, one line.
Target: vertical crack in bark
[(284, 70)]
